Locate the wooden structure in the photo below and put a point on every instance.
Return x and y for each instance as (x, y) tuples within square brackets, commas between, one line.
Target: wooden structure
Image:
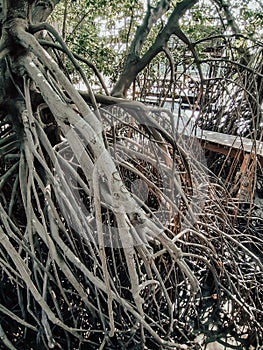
[(243, 149), (245, 153), (229, 144)]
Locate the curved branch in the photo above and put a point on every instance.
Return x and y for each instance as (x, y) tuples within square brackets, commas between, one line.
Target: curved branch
[(234, 63), (49, 28), (80, 58), (228, 36)]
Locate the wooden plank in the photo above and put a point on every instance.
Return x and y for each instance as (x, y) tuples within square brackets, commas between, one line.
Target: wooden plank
[(233, 142)]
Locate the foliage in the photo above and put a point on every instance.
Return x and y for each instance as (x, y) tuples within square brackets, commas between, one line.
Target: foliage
[(99, 36)]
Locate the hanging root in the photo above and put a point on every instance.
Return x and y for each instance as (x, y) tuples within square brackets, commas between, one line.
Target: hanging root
[(112, 231)]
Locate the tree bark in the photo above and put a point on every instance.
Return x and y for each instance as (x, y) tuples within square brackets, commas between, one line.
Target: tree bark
[(42, 9), (134, 64)]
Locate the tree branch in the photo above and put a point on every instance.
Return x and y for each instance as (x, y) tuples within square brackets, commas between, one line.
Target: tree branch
[(151, 17), (134, 64), (80, 58)]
